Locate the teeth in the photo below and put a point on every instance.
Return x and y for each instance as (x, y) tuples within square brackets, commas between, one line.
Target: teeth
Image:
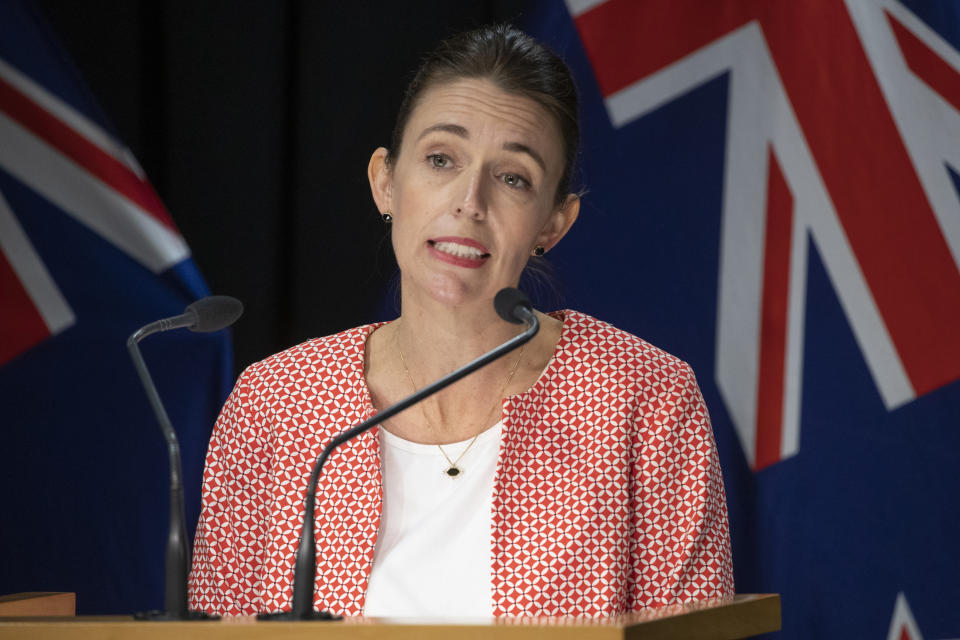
[(459, 250)]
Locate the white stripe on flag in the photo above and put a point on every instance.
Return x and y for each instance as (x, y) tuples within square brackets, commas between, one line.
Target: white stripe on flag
[(577, 7), (70, 116), (87, 199), (28, 266), (934, 138)]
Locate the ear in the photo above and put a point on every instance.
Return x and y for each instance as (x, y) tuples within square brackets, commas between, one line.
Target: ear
[(380, 175), (560, 221)]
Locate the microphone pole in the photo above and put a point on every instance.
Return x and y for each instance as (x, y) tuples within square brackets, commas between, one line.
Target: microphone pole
[(513, 306), (208, 314)]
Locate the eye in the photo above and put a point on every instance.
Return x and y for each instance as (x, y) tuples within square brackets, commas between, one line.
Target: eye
[(438, 160), (516, 181)]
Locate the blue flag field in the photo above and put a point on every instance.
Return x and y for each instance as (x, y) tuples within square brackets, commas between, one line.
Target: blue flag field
[(87, 255), (773, 197)]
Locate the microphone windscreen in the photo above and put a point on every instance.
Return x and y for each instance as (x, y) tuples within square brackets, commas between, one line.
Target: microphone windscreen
[(507, 301), (214, 313)]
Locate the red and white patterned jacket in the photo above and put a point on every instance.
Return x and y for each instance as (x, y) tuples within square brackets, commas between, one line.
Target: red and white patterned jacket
[(608, 493)]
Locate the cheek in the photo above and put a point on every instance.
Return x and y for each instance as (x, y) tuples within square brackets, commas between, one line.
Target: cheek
[(411, 196), (527, 228), (401, 235), (519, 241), (407, 231)]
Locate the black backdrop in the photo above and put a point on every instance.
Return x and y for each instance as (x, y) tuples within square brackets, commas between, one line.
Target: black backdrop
[(255, 122)]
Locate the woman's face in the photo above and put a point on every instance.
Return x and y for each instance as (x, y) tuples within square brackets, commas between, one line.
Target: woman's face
[(472, 191)]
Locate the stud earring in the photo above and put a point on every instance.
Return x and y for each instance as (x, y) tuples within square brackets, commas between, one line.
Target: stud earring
[(387, 217), (539, 251)]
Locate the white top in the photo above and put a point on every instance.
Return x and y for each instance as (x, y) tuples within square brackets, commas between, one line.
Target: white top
[(433, 553)]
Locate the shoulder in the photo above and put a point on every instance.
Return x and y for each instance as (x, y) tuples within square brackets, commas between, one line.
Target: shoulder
[(614, 368), (593, 343), (329, 358)]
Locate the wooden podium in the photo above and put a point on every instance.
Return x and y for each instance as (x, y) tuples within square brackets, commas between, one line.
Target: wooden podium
[(742, 617)]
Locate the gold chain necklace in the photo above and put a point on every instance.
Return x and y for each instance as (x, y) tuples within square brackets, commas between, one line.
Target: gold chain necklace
[(454, 470)]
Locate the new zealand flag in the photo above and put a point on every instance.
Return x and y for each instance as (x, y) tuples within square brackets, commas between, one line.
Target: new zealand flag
[(773, 196), (87, 255)]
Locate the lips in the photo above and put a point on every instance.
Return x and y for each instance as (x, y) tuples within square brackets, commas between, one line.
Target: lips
[(463, 252)]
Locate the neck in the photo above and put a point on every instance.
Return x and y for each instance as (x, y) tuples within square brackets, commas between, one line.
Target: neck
[(430, 340), (439, 337)]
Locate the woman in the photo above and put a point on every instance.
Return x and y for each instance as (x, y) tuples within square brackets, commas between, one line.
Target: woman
[(577, 476)]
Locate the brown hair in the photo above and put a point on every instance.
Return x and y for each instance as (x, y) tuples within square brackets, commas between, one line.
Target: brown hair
[(517, 64)]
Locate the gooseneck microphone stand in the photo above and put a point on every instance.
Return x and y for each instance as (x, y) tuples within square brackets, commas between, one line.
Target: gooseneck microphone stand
[(512, 305), (209, 314)]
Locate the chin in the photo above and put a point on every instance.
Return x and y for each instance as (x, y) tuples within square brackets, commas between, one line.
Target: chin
[(455, 292)]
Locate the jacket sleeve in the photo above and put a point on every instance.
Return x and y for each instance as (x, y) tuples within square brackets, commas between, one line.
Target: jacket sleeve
[(681, 538), (228, 553)]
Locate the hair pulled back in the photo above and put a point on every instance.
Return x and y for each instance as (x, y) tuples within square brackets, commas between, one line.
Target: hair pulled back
[(518, 65)]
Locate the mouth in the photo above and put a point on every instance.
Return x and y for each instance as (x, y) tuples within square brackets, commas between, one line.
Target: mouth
[(464, 252)]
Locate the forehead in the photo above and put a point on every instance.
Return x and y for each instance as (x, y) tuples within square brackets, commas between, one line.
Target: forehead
[(487, 112)]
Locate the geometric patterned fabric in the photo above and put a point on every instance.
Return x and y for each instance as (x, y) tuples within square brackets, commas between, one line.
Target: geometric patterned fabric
[(608, 494)]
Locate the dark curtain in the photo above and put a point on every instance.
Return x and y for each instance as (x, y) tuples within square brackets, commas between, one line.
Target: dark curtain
[(255, 122)]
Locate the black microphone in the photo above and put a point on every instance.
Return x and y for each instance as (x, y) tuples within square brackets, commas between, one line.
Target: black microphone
[(511, 305), (514, 306), (207, 314)]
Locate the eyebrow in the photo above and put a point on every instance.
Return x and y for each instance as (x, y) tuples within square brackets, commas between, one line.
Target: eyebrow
[(455, 129), (461, 132), (522, 148)]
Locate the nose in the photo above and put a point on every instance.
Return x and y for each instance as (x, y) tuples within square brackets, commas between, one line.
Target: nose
[(472, 200)]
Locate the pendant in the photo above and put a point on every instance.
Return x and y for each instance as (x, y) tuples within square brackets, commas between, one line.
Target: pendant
[(453, 471)]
